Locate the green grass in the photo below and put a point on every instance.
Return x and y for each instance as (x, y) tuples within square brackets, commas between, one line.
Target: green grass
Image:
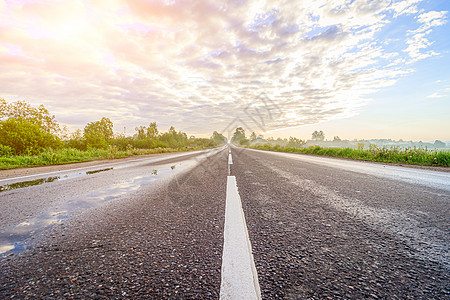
[(71, 155), (413, 156)]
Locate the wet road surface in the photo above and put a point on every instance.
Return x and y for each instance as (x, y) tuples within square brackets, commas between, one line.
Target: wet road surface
[(154, 228), (325, 228)]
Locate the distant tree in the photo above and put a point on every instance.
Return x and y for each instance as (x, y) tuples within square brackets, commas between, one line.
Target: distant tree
[(3, 108), (141, 132), (281, 142), (337, 139), (152, 130), (218, 138), (253, 136), (174, 139), (238, 135), (318, 136), (146, 137), (244, 142), (295, 142), (439, 144), (76, 140)]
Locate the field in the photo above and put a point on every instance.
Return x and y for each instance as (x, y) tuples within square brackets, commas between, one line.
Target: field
[(411, 156)]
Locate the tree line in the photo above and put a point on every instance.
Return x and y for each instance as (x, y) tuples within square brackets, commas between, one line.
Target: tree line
[(25, 129)]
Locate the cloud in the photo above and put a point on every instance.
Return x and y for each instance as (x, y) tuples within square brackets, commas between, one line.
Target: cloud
[(405, 7), (418, 41), (437, 95), (199, 64)]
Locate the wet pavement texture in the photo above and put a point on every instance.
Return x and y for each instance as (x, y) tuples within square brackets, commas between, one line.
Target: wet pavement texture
[(32, 203), (323, 233), (163, 241)]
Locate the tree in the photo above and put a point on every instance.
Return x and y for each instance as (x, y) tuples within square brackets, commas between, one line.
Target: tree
[(95, 140), (27, 129), (238, 135), (97, 134), (244, 142), (295, 142), (337, 139), (253, 136), (439, 144), (76, 140), (152, 130), (218, 138), (103, 128), (22, 110), (318, 136), (141, 132), (24, 137), (174, 139)]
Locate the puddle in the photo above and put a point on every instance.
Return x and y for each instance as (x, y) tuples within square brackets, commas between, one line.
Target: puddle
[(22, 184), (98, 171), (12, 240), (18, 185)]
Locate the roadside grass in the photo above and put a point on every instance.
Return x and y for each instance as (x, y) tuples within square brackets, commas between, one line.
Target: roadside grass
[(411, 156), (71, 155)]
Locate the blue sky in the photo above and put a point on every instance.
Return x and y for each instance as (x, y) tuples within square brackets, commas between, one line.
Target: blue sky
[(358, 69)]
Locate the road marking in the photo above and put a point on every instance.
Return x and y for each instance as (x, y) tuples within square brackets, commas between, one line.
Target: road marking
[(230, 159), (239, 276)]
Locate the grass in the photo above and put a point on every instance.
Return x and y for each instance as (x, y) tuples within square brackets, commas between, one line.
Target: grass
[(71, 155), (412, 156)]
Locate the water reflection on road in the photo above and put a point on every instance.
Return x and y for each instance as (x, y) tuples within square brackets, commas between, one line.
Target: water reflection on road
[(13, 239), (22, 184)]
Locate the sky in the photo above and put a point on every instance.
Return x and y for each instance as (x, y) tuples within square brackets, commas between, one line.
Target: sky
[(354, 69)]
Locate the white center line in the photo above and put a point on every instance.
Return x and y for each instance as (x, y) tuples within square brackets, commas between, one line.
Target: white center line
[(230, 159), (239, 276)]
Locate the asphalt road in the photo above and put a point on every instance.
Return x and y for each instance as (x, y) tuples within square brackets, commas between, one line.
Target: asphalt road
[(154, 228)]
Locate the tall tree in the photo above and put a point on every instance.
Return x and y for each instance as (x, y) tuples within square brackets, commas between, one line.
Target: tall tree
[(218, 138), (238, 135), (318, 135), (104, 127), (98, 133), (152, 130), (22, 110), (295, 142)]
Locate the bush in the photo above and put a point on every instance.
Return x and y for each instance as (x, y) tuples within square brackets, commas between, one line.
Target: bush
[(96, 140), (5, 150), (25, 137)]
